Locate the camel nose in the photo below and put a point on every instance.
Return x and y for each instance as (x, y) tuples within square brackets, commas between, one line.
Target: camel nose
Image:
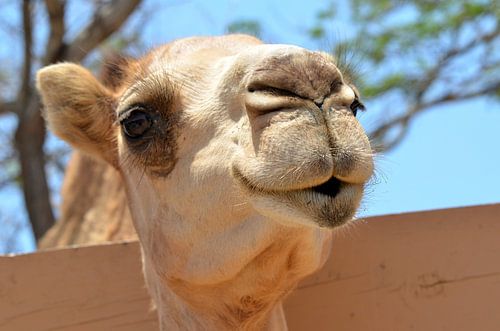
[(288, 78)]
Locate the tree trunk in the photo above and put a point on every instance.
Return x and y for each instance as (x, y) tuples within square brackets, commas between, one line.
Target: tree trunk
[(30, 136)]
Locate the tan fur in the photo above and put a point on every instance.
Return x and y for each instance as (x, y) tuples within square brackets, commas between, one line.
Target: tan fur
[(224, 188)]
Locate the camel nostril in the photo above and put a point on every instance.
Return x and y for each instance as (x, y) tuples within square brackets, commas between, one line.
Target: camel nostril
[(319, 103)]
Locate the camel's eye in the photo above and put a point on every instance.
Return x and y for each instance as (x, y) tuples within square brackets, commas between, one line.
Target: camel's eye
[(356, 105), (136, 123)]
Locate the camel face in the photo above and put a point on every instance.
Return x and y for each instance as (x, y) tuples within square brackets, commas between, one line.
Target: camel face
[(273, 128), (228, 125)]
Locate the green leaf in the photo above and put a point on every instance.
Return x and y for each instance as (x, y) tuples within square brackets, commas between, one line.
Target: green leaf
[(326, 13), (393, 81), (250, 27), (316, 32)]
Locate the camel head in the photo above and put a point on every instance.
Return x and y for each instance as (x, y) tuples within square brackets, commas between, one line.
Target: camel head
[(224, 144)]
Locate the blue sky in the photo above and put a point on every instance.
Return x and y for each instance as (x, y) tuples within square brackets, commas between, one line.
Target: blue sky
[(450, 157)]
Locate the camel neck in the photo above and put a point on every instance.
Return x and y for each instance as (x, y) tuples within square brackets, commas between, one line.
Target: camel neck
[(252, 299)]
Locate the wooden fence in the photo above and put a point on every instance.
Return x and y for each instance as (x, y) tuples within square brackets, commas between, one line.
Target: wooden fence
[(434, 270)]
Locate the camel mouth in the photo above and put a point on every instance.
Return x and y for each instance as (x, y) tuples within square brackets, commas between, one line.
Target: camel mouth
[(329, 188), (328, 205)]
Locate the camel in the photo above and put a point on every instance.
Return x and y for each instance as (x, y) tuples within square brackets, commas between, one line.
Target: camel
[(238, 159)]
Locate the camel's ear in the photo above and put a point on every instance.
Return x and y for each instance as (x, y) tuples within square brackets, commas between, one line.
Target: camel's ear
[(79, 109)]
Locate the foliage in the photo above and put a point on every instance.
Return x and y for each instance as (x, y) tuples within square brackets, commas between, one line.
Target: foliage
[(250, 27), (420, 54)]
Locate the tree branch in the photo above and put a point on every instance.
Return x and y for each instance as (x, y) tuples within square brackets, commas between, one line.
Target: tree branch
[(479, 40), (106, 21), (24, 89), (378, 135), (451, 97), (8, 107), (448, 56), (55, 10), (403, 120)]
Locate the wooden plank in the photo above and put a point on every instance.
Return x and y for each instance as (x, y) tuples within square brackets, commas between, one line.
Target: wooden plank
[(434, 270), (84, 288)]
